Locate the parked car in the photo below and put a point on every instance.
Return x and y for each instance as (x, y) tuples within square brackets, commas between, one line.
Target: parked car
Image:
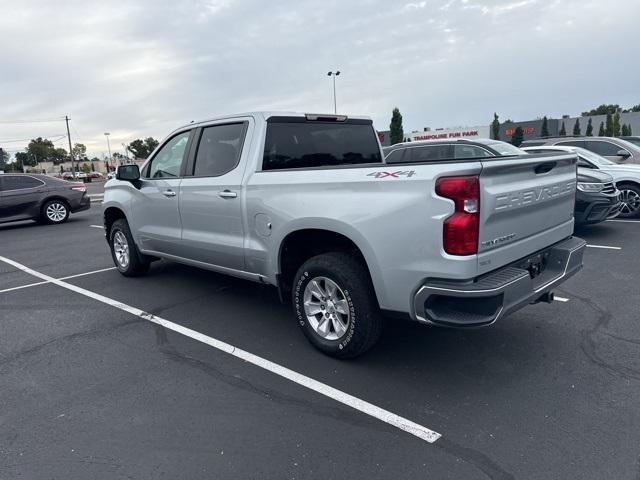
[(111, 175), (429, 151), (626, 176), (39, 197), (611, 148), (633, 139), (95, 175), (306, 203), (597, 198)]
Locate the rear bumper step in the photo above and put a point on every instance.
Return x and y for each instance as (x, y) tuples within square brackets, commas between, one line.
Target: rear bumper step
[(484, 300)]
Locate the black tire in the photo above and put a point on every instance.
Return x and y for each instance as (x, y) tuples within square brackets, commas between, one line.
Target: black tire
[(350, 275), (631, 194), (137, 263), (54, 212)]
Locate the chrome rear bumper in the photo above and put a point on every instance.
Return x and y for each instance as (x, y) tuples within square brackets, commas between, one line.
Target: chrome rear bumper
[(483, 300)]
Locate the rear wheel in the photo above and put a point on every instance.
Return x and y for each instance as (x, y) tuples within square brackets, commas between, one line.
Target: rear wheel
[(630, 198), (126, 256), (335, 305), (55, 211)]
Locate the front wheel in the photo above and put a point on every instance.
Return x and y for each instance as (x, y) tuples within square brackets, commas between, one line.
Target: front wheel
[(126, 256), (335, 305), (630, 198)]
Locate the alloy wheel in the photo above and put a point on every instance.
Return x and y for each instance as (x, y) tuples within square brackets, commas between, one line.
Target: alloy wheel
[(56, 212), (326, 308), (121, 249), (630, 201)]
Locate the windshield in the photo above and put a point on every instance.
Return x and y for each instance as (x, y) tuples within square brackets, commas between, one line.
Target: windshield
[(504, 148), (592, 157)]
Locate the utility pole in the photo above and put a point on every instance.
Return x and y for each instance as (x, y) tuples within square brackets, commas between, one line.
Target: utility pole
[(334, 75), (106, 134), (73, 165)]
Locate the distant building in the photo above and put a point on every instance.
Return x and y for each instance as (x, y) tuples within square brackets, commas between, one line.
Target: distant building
[(531, 129)]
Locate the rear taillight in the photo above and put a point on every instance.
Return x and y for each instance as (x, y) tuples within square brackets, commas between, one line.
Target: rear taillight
[(79, 188), (460, 230)]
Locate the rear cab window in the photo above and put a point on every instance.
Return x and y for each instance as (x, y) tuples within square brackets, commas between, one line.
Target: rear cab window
[(297, 143)]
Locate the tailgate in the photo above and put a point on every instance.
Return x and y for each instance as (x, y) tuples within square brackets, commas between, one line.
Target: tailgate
[(526, 204)]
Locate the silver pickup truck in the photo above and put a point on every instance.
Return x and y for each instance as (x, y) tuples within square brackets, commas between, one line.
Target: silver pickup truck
[(307, 204)]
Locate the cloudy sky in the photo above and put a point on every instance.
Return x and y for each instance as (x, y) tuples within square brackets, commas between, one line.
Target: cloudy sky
[(140, 68)]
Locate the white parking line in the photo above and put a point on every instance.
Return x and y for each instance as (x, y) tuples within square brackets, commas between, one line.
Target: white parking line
[(63, 278), (96, 226), (560, 299), (604, 246), (358, 404)]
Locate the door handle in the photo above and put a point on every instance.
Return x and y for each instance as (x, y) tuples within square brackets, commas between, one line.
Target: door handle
[(169, 193), (227, 194)]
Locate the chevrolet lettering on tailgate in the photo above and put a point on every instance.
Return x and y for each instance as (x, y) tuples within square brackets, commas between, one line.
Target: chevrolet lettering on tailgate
[(534, 195)]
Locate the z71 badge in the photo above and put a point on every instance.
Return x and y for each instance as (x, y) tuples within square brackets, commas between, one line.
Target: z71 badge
[(401, 173)]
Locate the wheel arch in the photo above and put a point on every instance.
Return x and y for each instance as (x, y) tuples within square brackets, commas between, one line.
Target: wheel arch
[(110, 215), (307, 239)]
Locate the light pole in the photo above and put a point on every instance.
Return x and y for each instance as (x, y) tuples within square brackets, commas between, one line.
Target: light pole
[(126, 152), (334, 75), (106, 134)]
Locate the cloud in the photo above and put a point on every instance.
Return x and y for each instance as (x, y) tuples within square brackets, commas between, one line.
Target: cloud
[(143, 68)]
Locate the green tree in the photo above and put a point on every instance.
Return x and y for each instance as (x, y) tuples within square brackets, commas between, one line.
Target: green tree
[(4, 158), (40, 149), (602, 110), (608, 125), (23, 160), (616, 125), (635, 108), (86, 168), (495, 127), (563, 130), (79, 152), (576, 128), (601, 131), (589, 128), (517, 137), (544, 130), (397, 134), (60, 155), (142, 148)]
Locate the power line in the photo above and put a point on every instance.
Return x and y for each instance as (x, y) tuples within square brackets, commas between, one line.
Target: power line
[(18, 122), (50, 137)]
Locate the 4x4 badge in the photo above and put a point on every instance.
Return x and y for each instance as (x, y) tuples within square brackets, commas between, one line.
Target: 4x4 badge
[(398, 174)]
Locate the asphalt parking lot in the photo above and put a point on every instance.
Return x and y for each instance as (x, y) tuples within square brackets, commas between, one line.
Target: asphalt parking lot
[(89, 389)]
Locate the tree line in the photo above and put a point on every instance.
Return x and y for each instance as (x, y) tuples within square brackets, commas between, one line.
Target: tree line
[(610, 127), (44, 150)]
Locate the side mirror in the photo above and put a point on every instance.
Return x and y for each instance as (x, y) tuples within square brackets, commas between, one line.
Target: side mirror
[(128, 173), (623, 154)]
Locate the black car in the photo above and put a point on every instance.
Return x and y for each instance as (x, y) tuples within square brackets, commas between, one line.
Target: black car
[(597, 197), (39, 197)]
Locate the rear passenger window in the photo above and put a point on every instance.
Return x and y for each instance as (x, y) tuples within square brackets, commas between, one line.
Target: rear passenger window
[(18, 182), (470, 151), (219, 149), (572, 143), (603, 148), (395, 156), (431, 153)]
